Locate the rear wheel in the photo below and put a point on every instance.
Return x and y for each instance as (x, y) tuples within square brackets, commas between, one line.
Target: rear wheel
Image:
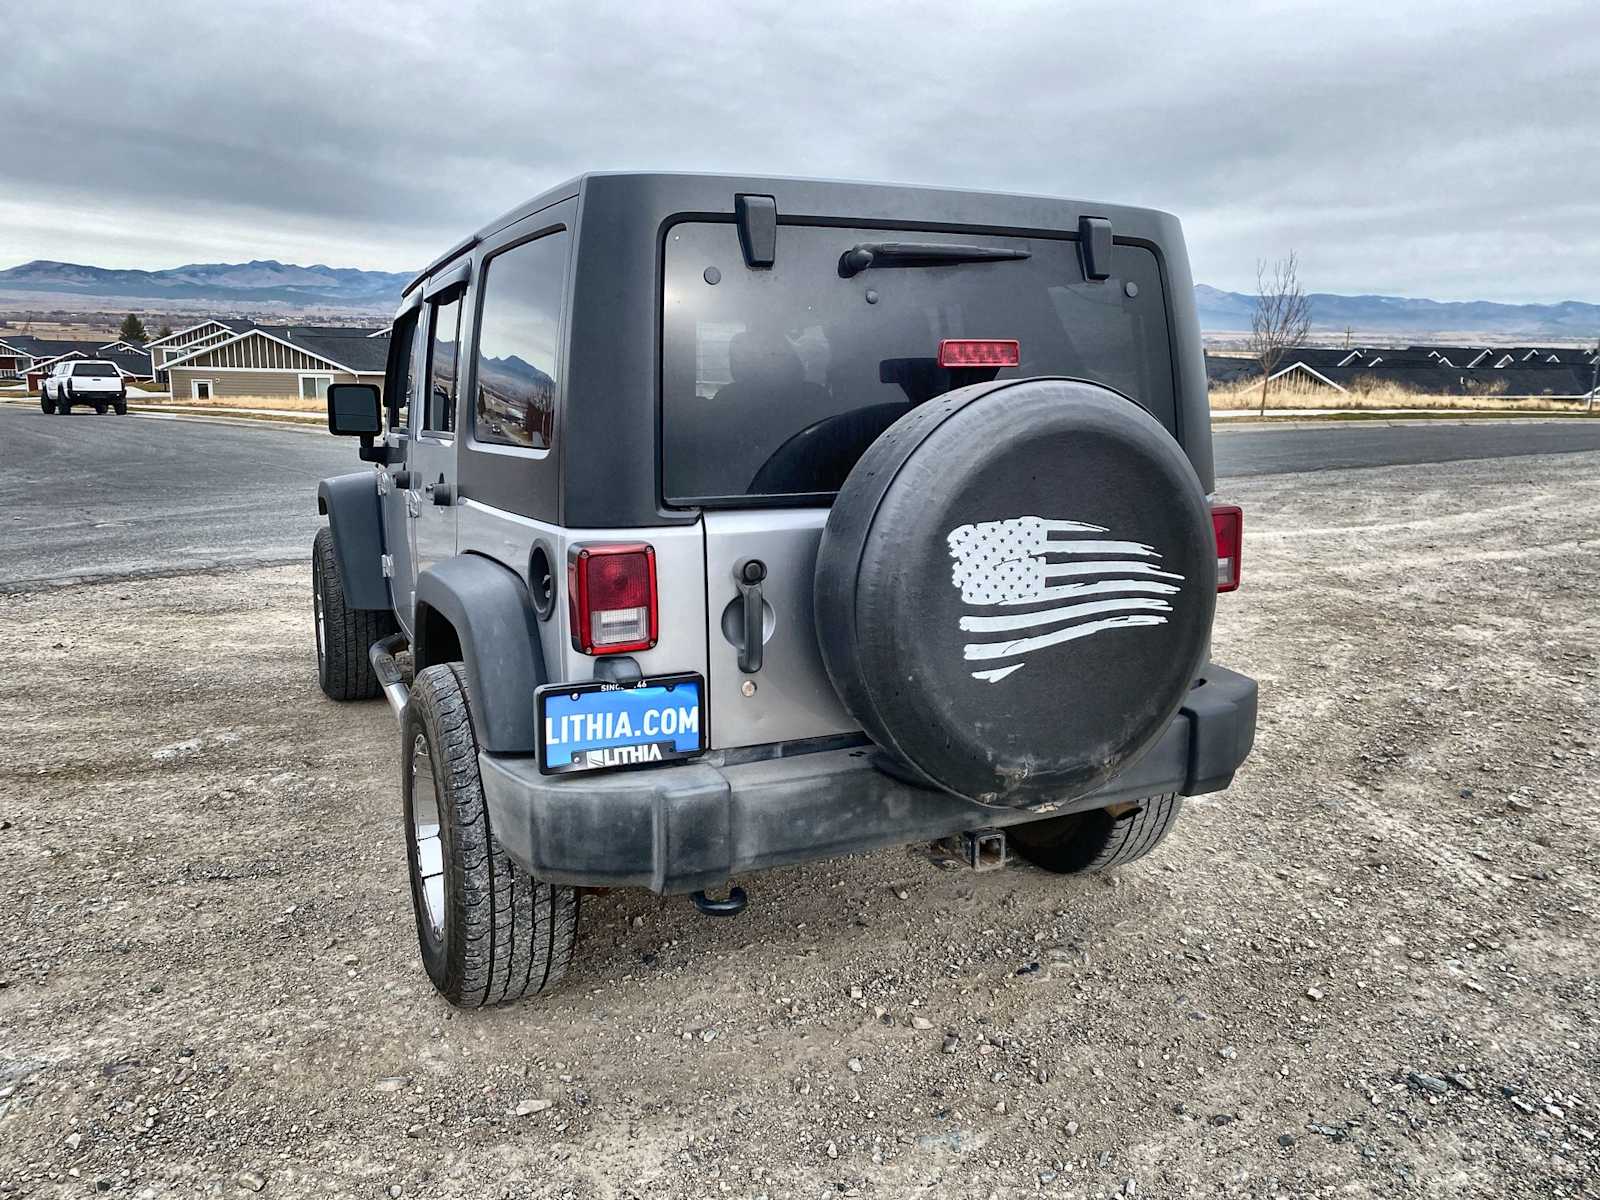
[(100, 409), (344, 634), (121, 406), (489, 932), (45, 403), (1098, 839), (63, 402)]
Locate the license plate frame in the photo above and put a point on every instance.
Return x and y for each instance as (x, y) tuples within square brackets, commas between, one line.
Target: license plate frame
[(555, 702)]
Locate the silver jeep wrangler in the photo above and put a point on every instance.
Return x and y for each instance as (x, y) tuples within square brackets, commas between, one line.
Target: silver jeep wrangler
[(734, 522)]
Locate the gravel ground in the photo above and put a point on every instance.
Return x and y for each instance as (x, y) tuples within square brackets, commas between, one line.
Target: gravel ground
[(1370, 968)]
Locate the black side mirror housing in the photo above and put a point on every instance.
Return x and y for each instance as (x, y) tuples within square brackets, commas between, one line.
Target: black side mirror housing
[(354, 410)]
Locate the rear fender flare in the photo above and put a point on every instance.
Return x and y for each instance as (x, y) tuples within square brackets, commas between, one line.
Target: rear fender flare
[(478, 610), (350, 502)]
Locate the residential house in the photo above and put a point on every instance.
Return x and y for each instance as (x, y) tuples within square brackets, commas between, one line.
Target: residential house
[(182, 341), (278, 362)]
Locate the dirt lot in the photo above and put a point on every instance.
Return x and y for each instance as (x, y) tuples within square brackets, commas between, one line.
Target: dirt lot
[(1370, 968)]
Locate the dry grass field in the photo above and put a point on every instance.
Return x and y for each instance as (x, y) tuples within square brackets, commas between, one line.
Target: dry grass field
[(274, 403), (1308, 394), (67, 331)]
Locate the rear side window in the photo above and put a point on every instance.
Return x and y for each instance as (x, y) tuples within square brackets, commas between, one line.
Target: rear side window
[(94, 371), (518, 339), (445, 339), (774, 382)]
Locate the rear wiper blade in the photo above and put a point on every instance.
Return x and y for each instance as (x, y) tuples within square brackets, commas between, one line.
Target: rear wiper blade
[(919, 254)]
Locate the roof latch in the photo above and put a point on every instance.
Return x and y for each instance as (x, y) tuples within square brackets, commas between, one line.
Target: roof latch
[(1094, 245), (758, 228)]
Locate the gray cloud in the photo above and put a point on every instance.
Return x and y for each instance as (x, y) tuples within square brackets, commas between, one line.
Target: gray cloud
[(1442, 149)]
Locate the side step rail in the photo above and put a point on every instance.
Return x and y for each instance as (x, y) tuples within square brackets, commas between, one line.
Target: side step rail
[(381, 655)]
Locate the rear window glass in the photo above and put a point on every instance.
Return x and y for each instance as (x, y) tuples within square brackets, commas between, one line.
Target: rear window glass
[(93, 370), (775, 381)]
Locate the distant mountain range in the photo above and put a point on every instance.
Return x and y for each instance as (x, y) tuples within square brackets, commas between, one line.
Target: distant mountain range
[(226, 284), (267, 283), (1222, 312)]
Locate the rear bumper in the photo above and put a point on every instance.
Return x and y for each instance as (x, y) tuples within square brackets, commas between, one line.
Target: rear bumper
[(684, 828)]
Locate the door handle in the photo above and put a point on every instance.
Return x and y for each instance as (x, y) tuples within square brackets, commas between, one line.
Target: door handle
[(748, 575)]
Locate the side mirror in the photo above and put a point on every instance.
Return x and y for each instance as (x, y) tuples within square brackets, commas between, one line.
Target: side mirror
[(354, 410)]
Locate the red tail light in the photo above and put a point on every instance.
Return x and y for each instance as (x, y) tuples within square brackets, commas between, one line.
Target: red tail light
[(1228, 521), (611, 591), (973, 352)]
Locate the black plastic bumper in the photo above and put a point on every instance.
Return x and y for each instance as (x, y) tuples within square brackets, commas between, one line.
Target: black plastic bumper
[(684, 828)]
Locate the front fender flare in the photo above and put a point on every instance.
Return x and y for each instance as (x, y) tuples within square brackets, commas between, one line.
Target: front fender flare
[(487, 605), (356, 521)]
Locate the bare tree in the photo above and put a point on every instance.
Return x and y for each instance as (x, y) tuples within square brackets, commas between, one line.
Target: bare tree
[(1594, 377), (1282, 316)]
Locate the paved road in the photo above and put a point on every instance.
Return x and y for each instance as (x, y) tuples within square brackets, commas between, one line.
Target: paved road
[(1282, 450), (86, 496)]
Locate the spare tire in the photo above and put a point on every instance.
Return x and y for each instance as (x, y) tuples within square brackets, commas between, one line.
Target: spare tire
[(1015, 589)]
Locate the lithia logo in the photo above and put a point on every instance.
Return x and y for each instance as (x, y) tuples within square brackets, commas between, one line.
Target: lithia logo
[(618, 756), (1062, 582)]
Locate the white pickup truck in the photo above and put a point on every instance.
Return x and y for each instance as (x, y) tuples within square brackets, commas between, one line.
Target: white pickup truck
[(94, 382)]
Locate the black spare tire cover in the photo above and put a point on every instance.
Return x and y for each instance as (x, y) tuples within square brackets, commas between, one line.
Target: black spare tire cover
[(1015, 589)]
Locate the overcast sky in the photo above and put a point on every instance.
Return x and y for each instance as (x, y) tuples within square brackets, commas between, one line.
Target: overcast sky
[(1444, 149)]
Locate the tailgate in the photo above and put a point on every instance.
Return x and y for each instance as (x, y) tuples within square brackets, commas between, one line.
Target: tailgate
[(775, 379), (790, 697)]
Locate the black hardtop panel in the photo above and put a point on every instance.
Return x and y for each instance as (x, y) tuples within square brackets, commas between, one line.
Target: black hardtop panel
[(608, 428)]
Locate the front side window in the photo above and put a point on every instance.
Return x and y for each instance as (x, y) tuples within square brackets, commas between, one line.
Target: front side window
[(518, 339), (444, 338)]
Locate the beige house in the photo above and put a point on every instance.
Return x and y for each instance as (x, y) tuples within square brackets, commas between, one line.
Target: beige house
[(181, 342), (277, 363)]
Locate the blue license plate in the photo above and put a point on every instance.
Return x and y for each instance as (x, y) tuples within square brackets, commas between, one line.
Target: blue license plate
[(593, 726)]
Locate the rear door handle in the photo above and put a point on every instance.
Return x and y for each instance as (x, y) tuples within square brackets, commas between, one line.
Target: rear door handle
[(748, 575)]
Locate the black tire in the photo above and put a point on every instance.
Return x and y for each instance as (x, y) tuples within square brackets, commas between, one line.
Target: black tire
[(100, 410), (121, 406), (1095, 840), (63, 404), (344, 634), (489, 932), (47, 405)]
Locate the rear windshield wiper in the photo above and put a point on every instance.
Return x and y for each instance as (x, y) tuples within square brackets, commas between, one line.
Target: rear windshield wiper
[(919, 254)]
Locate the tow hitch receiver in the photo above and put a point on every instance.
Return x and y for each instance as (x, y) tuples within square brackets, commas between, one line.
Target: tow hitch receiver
[(984, 849)]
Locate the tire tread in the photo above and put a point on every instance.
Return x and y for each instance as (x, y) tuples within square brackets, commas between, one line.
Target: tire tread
[(509, 936), (344, 670), (1094, 841)]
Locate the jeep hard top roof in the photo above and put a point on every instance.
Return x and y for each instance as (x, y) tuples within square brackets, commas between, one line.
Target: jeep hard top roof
[(610, 356), (862, 201)]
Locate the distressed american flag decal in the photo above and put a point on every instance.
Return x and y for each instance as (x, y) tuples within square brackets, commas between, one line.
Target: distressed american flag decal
[(1033, 584)]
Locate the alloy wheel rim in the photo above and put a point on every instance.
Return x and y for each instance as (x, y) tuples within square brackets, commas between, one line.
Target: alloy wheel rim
[(429, 864), (316, 606)]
